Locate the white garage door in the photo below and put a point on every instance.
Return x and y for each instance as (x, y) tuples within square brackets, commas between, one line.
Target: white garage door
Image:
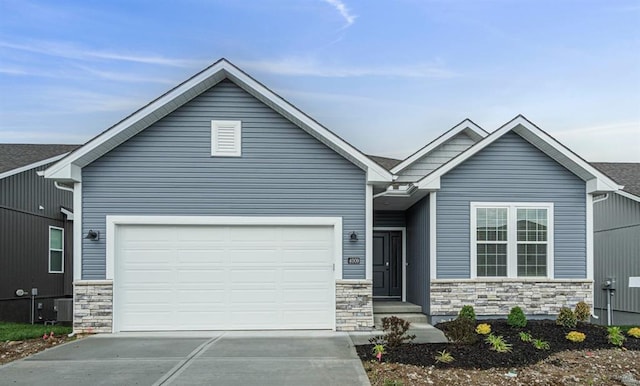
[(213, 277)]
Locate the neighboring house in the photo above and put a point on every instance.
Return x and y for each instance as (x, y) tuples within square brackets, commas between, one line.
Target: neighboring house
[(222, 206), (617, 244), (35, 233)]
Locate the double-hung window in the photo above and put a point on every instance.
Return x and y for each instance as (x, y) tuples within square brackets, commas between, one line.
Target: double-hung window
[(511, 239), (56, 250)]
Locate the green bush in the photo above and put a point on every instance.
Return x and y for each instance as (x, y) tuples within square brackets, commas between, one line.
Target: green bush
[(498, 343), (461, 330), (467, 312), (615, 336), (516, 318), (582, 311), (566, 318)]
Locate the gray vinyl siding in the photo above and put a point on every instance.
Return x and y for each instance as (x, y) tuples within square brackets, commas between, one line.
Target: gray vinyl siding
[(418, 274), (510, 170), (438, 156), (617, 252), (390, 218), (167, 169)]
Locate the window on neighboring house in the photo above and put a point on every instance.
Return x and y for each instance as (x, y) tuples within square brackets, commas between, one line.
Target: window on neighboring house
[(511, 240), (226, 138), (56, 250)]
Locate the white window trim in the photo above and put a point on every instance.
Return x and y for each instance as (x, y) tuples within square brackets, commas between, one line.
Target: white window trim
[(512, 245), (237, 128), (57, 250)]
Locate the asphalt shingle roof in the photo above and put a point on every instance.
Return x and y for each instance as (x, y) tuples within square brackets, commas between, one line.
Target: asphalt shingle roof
[(624, 173), (13, 156)]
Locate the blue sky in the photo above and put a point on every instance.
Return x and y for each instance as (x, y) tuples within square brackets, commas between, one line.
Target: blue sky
[(388, 76)]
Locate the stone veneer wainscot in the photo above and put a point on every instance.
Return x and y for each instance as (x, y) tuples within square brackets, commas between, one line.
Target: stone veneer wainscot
[(354, 305), (498, 296), (93, 306)]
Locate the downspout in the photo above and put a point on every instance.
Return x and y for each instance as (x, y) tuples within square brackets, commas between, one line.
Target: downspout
[(62, 187), (593, 315)]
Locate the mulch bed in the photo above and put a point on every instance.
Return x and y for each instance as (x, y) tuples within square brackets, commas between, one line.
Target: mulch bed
[(479, 355)]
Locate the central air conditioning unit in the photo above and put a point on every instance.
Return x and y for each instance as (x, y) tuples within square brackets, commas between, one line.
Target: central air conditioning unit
[(64, 309)]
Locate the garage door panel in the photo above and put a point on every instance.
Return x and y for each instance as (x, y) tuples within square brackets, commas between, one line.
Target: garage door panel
[(224, 277), (201, 256)]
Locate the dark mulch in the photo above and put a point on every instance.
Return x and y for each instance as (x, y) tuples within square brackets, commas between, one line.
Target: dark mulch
[(479, 355)]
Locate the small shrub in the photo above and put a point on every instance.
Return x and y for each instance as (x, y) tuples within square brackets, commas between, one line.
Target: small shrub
[(516, 318), (396, 331), (634, 332), (540, 344), (444, 357), (498, 343), (576, 336), (379, 350), (582, 311), (462, 331), (615, 336), (566, 318), (525, 337), (483, 328), (467, 312)]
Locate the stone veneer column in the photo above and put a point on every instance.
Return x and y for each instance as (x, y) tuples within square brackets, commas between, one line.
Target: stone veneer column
[(498, 296), (93, 306), (354, 305)]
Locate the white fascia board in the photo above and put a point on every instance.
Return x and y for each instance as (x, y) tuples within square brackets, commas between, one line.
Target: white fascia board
[(67, 213), (628, 195), (375, 172), (69, 172), (150, 113), (597, 185), (24, 168), (521, 125), (467, 124), (193, 87)]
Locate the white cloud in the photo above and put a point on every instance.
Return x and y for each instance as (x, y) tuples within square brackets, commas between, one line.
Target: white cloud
[(295, 66), (616, 142), (71, 51), (344, 12)]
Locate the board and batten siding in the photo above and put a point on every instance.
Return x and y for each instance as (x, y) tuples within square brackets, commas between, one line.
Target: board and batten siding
[(510, 170), (617, 254), (437, 157), (418, 254), (167, 169)]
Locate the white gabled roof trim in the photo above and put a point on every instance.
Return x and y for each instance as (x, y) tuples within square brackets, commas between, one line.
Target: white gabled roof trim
[(466, 125), (24, 168), (167, 103), (628, 195), (596, 181)]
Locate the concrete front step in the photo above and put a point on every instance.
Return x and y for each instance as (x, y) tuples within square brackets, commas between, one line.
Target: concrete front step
[(391, 307), (414, 317)]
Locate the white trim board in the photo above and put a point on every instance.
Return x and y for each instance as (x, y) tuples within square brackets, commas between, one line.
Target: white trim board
[(466, 125), (34, 165), (66, 169), (596, 181), (404, 255), (113, 221)]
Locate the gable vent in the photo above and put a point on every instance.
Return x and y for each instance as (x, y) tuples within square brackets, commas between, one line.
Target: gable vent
[(226, 138)]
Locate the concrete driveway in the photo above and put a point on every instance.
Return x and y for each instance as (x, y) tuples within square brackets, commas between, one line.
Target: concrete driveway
[(212, 358)]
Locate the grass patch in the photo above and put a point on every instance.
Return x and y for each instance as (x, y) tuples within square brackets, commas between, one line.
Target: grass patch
[(22, 331)]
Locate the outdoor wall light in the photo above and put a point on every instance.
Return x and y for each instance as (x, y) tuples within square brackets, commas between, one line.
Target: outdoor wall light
[(353, 236), (93, 235)]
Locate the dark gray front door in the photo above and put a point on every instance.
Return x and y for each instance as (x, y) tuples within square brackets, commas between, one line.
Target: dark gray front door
[(387, 263)]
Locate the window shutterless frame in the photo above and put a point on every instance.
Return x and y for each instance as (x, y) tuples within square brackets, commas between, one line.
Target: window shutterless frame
[(512, 236), (56, 250)]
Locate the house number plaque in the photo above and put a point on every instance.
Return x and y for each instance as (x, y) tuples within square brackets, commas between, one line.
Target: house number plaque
[(353, 260)]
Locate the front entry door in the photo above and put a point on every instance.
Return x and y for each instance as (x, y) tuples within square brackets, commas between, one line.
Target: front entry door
[(387, 263)]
